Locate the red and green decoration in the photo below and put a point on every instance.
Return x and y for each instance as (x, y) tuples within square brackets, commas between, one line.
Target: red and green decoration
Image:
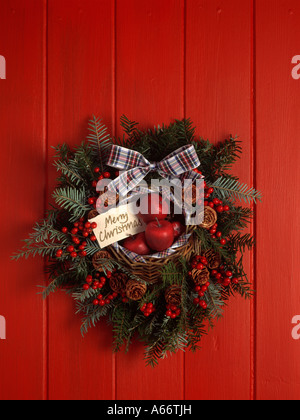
[(174, 313)]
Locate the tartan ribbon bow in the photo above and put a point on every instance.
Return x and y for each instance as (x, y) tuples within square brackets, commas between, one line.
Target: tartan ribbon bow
[(177, 165)]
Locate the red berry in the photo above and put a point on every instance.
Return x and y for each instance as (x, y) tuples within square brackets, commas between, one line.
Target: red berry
[(94, 225), (216, 201), (168, 313), (97, 170), (59, 253), (93, 238), (83, 253), (96, 302), (228, 274), (235, 280), (220, 209), (64, 230), (218, 234), (223, 241), (74, 254), (106, 175), (226, 208), (200, 266), (196, 301), (70, 248), (91, 200), (210, 190), (203, 304), (86, 287), (74, 231), (211, 204), (101, 302), (94, 184)]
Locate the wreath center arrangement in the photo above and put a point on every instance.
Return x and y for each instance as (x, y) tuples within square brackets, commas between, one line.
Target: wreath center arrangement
[(170, 281)]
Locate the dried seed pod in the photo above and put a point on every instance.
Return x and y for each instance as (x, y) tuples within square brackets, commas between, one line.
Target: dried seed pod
[(135, 290), (213, 259), (98, 259), (210, 218), (173, 295), (200, 277), (118, 282)]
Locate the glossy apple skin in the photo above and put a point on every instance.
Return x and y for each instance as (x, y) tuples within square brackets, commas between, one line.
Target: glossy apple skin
[(159, 235), (137, 244), (178, 228), (156, 207)]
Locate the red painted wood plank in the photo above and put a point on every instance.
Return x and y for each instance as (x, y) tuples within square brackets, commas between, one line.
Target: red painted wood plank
[(22, 187), (149, 86), (278, 127), (79, 85), (218, 99)]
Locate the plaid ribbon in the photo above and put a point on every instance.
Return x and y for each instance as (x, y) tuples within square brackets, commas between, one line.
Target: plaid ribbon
[(178, 165)]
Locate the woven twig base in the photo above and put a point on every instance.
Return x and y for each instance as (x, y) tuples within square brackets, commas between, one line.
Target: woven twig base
[(150, 271)]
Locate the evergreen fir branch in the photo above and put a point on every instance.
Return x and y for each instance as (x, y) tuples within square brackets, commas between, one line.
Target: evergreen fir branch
[(72, 200), (70, 171), (213, 297), (121, 326), (100, 140), (43, 250), (128, 126), (226, 187)]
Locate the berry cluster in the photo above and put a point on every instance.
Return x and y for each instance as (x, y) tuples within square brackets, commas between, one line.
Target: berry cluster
[(216, 234), (224, 277), (79, 233), (199, 262), (148, 309), (199, 300), (101, 300), (173, 311), (96, 283)]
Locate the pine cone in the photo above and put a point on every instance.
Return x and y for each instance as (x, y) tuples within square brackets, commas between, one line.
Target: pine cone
[(135, 290), (213, 259), (200, 277), (98, 257), (189, 195), (118, 282), (210, 218), (92, 214), (173, 295)]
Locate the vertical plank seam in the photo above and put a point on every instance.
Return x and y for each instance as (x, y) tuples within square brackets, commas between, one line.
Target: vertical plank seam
[(114, 128), (46, 187), (184, 115), (253, 227)]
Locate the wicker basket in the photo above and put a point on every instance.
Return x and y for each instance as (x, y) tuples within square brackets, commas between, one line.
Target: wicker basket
[(150, 271)]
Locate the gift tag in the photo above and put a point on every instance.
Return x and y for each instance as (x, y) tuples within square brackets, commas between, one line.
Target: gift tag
[(117, 224)]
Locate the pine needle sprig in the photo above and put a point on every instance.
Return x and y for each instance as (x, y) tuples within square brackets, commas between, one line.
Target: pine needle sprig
[(100, 140)]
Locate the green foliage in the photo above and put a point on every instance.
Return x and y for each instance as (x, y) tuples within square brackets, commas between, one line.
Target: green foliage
[(161, 335)]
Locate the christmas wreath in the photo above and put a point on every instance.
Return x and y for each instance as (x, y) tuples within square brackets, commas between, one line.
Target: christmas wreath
[(169, 282)]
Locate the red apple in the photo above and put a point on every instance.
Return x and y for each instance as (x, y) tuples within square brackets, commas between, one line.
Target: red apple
[(159, 235), (153, 207), (179, 229), (137, 244)]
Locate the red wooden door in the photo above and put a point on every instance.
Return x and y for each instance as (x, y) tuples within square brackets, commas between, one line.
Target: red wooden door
[(226, 64)]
